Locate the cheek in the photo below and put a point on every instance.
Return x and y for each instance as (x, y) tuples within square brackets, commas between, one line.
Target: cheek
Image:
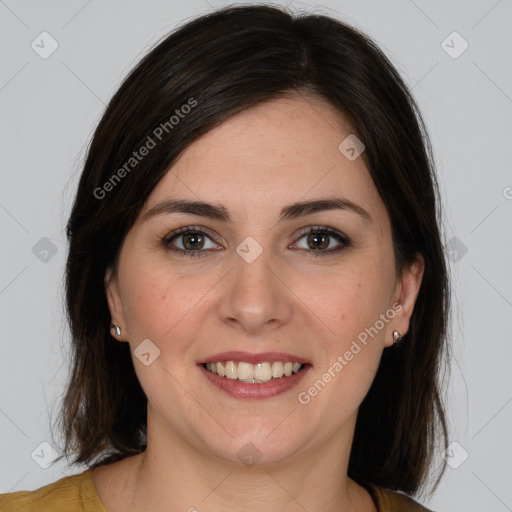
[(150, 303), (353, 300), (351, 349), (354, 305), (162, 306), (147, 306)]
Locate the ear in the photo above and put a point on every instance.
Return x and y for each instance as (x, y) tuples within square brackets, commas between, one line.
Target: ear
[(407, 287), (114, 304)]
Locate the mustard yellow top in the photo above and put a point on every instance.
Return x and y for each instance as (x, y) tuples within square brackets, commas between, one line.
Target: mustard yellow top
[(77, 493)]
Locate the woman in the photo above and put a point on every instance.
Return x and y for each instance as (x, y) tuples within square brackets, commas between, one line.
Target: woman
[(256, 284)]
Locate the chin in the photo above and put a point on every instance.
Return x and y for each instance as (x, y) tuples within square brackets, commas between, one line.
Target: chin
[(255, 447)]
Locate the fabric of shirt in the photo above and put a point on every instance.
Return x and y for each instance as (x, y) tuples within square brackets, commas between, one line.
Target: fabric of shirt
[(77, 493)]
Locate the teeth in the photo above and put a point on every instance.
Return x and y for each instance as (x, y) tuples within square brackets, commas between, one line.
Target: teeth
[(296, 367), (263, 371), (277, 369), (220, 369), (231, 372), (245, 371), (260, 372)]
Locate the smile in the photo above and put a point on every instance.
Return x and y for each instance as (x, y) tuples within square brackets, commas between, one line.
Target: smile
[(264, 380), (254, 373)]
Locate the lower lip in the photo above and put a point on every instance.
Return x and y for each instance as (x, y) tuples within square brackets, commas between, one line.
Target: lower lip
[(239, 389)]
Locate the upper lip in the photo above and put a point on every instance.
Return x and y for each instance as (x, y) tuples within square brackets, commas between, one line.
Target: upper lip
[(253, 358)]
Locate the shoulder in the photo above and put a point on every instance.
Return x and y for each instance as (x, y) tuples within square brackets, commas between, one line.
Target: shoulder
[(75, 493), (392, 501)]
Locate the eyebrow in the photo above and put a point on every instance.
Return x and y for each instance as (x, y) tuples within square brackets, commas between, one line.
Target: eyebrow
[(220, 212)]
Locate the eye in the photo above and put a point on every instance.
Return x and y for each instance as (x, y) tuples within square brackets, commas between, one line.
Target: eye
[(318, 240), (190, 241)]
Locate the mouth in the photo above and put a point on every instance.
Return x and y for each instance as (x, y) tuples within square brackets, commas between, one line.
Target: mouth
[(244, 375), (258, 373)]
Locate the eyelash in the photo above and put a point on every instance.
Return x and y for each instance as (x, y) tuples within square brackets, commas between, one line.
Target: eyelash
[(344, 240)]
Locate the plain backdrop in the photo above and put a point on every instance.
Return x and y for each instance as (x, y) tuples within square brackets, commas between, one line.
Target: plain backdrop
[(456, 57)]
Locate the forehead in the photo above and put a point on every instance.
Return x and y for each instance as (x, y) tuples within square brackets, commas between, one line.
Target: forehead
[(275, 153)]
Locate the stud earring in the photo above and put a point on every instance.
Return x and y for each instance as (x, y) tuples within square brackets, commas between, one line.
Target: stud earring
[(396, 337), (117, 328)]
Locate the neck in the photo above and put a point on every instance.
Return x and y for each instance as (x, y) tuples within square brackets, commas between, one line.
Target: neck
[(183, 478)]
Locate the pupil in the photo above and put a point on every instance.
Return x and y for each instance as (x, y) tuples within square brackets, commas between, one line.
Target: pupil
[(316, 237), (193, 236)]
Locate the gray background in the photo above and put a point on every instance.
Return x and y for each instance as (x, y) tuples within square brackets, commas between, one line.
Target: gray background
[(49, 108)]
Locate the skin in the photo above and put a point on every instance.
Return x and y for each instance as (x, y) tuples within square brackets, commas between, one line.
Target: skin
[(287, 300)]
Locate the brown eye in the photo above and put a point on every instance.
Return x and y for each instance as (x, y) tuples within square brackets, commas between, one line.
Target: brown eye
[(318, 241), (193, 241), (323, 240), (189, 241)]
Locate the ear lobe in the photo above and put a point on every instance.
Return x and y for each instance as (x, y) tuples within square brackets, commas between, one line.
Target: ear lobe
[(113, 300), (409, 284)]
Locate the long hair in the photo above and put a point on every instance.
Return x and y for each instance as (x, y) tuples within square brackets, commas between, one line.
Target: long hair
[(220, 64)]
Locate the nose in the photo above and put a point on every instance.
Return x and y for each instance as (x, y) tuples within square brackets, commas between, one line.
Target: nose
[(255, 298)]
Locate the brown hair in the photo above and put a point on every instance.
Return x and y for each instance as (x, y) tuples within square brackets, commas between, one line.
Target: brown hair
[(223, 63)]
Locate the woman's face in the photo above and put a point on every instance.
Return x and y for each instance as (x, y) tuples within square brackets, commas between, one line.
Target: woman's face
[(260, 283)]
